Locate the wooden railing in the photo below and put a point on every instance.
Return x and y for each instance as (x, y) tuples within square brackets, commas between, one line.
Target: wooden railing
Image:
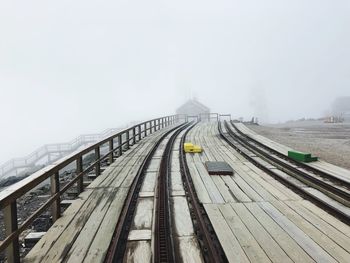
[(9, 196), (208, 116)]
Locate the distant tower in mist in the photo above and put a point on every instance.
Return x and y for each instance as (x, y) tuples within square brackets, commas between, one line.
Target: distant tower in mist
[(341, 108), (192, 107)]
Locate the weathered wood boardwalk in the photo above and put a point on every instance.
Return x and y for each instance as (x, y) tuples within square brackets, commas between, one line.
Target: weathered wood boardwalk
[(256, 218), (85, 230), (141, 237)]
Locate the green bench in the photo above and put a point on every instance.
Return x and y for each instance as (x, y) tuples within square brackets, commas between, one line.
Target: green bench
[(302, 157)]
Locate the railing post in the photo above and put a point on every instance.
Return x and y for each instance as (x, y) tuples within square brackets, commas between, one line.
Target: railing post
[(127, 135), (120, 142), (133, 135), (150, 127), (162, 122), (98, 164), (111, 155), (11, 225), (79, 169), (139, 129), (55, 189)]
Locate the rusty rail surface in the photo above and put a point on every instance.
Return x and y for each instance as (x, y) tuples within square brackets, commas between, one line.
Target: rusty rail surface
[(211, 248), (164, 243), (117, 246), (9, 196)]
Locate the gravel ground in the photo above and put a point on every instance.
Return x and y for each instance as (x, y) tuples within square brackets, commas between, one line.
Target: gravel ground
[(329, 141)]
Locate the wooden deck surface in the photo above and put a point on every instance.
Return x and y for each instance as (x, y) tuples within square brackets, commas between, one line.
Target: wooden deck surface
[(256, 218), (141, 238), (85, 230)]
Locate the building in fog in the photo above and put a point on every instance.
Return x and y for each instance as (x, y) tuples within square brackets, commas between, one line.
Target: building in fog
[(193, 107), (341, 108)]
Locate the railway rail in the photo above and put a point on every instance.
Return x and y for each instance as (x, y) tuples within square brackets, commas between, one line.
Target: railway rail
[(208, 241), (117, 248), (303, 166), (325, 190), (164, 243), (327, 184)]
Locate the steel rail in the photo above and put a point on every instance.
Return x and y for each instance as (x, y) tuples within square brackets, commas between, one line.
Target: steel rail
[(327, 188), (228, 138), (207, 239), (164, 243), (285, 157), (117, 246)]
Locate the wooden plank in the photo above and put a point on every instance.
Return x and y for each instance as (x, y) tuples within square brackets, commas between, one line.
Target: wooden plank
[(268, 178), (154, 165), (342, 227), (87, 233), (268, 186), (48, 241), (223, 188), (268, 244), (320, 238), (189, 250), (326, 199), (178, 193), (245, 238), (246, 188), (58, 250), (290, 247), (329, 230), (265, 195), (146, 194), (236, 191), (140, 234), (149, 182), (143, 214), (182, 218), (213, 192), (176, 181), (138, 252), (201, 190), (98, 248), (228, 241), (310, 246)]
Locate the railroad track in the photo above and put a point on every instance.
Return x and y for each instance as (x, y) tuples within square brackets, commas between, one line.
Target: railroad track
[(207, 239), (303, 166), (330, 193), (164, 248)]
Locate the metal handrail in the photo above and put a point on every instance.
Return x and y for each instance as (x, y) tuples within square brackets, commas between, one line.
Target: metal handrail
[(9, 196)]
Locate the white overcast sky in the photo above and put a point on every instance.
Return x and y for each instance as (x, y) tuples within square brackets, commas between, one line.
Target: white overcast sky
[(73, 67)]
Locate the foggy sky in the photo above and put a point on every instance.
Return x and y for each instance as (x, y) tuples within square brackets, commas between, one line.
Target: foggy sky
[(73, 67)]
